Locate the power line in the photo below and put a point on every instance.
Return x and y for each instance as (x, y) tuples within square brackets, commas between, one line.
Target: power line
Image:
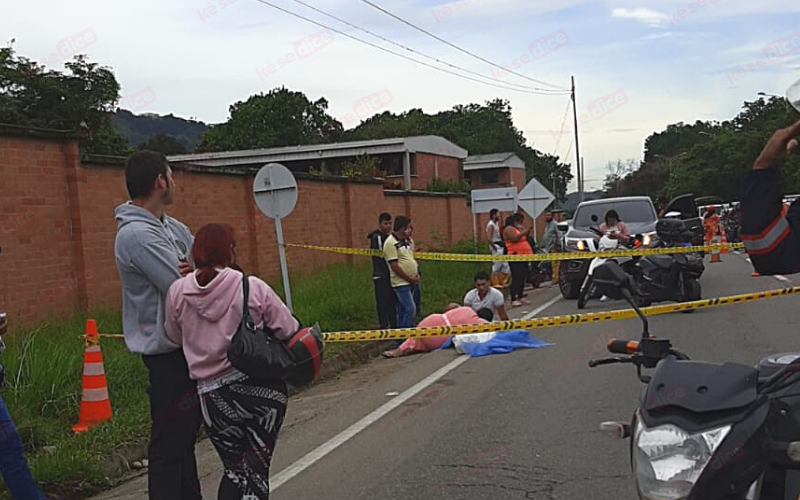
[(384, 49), (475, 73), (457, 47), (561, 128)]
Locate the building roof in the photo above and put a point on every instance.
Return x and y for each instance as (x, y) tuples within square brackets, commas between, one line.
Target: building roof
[(430, 144), (493, 160)]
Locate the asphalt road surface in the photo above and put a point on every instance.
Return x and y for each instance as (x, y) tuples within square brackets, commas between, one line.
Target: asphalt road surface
[(516, 426)]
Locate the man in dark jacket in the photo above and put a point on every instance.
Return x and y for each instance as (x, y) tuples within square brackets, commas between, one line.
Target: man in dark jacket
[(772, 240), (385, 299)]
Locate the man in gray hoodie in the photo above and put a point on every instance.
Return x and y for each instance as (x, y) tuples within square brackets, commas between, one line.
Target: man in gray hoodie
[(151, 252)]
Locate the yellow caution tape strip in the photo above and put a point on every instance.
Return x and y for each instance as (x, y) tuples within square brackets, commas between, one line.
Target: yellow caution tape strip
[(525, 258), (551, 322)]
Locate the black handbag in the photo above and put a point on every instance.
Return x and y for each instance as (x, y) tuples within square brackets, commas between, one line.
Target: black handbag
[(256, 352)]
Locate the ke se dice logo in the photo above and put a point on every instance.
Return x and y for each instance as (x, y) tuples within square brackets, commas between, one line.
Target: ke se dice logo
[(373, 102), (542, 47), (73, 44), (139, 100), (605, 105), (312, 43)]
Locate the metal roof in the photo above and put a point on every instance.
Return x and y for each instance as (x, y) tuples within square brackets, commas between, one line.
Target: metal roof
[(493, 160), (430, 144)]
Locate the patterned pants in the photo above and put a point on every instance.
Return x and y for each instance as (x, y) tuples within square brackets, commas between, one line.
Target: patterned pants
[(243, 420)]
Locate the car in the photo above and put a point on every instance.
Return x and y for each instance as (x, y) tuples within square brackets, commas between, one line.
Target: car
[(637, 212)]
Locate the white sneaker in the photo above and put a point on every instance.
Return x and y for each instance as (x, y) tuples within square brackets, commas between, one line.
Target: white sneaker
[(604, 299)]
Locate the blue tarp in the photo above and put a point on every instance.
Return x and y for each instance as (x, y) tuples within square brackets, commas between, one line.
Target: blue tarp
[(496, 343)]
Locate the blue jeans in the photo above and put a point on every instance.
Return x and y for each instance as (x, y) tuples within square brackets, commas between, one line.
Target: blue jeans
[(415, 291), (406, 308), (13, 465)]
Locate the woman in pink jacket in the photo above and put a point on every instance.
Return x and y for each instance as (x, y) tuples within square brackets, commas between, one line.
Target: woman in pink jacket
[(203, 311)]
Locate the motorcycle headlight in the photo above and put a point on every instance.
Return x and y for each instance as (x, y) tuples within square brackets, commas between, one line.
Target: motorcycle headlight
[(649, 239), (580, 245), (667, 461)]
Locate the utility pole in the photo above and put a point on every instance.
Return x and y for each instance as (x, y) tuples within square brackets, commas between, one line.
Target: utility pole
[(577, 145), (583, 179)]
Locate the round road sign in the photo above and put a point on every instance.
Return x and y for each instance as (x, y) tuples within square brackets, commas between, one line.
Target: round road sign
[(275, 190)]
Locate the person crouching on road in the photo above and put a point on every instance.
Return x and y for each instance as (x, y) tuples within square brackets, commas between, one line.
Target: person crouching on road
[(485, 296), (404, 270), (516, 239), (243, 416), (453, 315)]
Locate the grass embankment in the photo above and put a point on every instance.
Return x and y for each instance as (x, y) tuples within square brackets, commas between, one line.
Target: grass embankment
[(44, 367)]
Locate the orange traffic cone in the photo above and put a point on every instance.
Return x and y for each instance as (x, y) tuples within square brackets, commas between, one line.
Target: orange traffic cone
[(755, 274), (724, 241), (715, 253), (95, 405)]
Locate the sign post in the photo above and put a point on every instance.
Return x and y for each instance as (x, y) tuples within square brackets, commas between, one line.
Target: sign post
[(484, 200), (275, 192), (534, 198)]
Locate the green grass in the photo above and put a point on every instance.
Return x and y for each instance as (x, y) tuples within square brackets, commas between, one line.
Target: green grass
[(44, 367)]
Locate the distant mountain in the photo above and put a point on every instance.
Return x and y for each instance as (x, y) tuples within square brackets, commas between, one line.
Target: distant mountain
[(572, 199), (140, 128)]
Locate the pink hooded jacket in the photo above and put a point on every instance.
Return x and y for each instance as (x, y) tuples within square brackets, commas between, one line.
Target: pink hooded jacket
[(204, 318)]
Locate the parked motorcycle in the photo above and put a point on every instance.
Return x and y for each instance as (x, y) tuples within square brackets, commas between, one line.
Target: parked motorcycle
[(672, 277), (702, 430), (605, 244)]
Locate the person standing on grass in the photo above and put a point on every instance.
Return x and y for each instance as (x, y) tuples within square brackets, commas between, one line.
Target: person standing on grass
[(404, 270), (151, 252), (243, 416), (485, 296), (13, 465), (516, 239), (496, 245), (385, 300)]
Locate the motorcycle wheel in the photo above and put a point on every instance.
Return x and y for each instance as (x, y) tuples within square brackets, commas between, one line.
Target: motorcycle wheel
[(585, 293), (692, 291), (568, 289)]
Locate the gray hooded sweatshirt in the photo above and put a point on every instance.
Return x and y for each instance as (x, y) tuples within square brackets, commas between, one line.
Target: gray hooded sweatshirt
[(147, 252)]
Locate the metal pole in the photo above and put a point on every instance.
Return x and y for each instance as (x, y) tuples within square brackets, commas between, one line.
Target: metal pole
[(475, 229), (284, 268), (577, 145), (583, 179)]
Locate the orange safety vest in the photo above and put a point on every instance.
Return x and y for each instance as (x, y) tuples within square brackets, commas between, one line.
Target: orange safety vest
[(712, 226)]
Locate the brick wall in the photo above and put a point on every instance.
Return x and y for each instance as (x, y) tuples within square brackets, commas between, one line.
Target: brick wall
[(57, 223), (428, 167)]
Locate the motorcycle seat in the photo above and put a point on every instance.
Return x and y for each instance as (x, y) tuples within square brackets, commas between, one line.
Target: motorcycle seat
[(662, 261)]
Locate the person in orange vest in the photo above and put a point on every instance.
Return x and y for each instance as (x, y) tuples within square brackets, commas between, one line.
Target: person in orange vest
[(711, 223)]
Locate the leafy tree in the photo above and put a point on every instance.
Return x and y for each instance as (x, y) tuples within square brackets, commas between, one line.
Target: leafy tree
[(82, 99), (278, 118), (163, 143)]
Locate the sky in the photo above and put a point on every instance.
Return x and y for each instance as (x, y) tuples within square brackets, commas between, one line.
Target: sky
[(638, 65)]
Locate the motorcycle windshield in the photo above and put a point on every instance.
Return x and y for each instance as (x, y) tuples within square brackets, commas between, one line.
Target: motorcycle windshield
[(701, 387)]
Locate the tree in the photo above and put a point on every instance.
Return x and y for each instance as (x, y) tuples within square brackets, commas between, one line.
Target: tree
[(82, 99), (278, 118), (163, 143), (618, 172)]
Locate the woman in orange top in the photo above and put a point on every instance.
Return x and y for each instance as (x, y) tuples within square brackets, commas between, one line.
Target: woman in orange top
[(516, 239)]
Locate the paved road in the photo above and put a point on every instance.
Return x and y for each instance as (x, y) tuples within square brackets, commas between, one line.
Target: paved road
[(517, 426)]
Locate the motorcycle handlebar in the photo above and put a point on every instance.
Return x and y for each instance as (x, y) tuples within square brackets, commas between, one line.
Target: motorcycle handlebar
[(622, 346)]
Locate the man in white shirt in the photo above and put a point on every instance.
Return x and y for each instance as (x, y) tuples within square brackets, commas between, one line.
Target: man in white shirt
[(486, 296), (494, 235)]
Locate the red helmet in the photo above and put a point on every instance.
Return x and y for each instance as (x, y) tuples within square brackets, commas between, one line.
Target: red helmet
[(306, 347)]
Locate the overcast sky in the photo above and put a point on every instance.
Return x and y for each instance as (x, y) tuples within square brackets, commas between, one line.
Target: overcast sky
[(658, 63)]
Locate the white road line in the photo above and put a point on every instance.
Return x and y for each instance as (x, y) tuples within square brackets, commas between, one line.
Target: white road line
[(307, 461), (313, 457), (542, 307)]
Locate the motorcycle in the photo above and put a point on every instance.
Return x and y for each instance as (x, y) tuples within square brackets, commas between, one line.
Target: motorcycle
[(702, 430), (672, 277), (605, 244)]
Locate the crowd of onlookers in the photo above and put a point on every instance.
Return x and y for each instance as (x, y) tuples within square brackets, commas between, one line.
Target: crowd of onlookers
[(396, 277)]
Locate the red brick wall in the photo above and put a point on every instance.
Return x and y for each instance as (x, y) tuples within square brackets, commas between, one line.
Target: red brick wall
[(518, 177), (428, 167), (57, 224)]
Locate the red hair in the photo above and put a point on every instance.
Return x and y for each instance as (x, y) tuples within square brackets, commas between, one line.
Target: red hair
[(212, 248)]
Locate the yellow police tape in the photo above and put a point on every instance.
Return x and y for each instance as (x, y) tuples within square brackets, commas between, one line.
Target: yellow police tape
[(538, 323), (551, 322), (525, 258)]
